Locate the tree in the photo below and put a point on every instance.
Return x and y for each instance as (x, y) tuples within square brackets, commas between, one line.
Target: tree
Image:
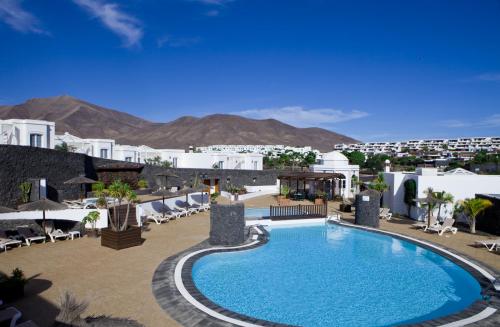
[(471, 208), (119, 191), (442, 198), (379, 185), (430, 204), (355, 157), (156, 161), (410, 194), (308, 159), (376, 162)]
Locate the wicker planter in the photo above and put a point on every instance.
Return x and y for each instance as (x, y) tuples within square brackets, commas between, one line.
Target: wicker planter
[(121, 240)]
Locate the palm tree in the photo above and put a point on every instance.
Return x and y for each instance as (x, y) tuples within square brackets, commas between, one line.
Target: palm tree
[(472, 208), (430, 203), (442, 198), (119, 191), (379, 185)]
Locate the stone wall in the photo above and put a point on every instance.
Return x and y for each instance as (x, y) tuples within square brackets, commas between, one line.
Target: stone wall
[(227, 224), (367, 208), (225, 176)]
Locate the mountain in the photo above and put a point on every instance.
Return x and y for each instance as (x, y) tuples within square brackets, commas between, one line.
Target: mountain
[(88, 120)]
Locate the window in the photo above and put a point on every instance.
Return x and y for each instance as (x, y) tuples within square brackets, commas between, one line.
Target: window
[(129, 159), (36, 140), (221, 164), (174, 162), (255, 166), (104, 153)]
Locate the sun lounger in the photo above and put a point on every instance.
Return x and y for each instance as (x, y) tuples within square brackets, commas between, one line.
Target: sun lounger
[(28, 235), (489, 244), (447, 226), (180, 211), (7, 241), (54, 233), (200, 207), (157, 218), (385, 213), (424, 225), (9, 316)]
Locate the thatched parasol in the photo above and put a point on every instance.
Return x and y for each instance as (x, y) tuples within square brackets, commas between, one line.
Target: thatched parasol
[(42, 205), (6, 210), (82, 180), (163, 193)]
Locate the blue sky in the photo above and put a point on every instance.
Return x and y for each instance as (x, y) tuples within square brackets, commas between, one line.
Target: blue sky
[(374, 70)]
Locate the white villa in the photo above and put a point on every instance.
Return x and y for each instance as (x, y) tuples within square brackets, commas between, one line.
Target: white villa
[(336, 162), (101, 148), (459, 182), (27, 132), (274, 149)]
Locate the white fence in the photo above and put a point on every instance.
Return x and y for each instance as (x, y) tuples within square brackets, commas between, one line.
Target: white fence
[(67, 214)]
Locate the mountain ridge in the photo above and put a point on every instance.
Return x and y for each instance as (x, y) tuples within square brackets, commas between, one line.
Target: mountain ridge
[(87, 120)]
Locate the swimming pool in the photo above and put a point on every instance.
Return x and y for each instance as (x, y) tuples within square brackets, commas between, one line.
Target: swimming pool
[(335, 276), (256, 213)]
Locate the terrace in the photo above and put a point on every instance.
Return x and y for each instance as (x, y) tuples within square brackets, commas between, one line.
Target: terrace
[(119, 283)]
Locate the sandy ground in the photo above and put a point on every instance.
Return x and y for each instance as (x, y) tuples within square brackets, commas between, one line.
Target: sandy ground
[(119, 282)]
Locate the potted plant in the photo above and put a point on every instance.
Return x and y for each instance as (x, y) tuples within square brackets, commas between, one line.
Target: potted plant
[(320, 197), (119, 235), (284, 193), (12, 287), (92, 219)]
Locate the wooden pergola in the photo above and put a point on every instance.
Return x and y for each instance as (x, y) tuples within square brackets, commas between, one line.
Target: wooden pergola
[(302, 177)]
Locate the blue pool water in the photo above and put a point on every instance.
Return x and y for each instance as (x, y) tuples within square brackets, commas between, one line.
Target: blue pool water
[(256, 213), (335, 276)]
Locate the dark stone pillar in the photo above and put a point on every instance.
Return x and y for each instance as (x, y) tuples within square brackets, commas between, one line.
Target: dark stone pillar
[(367, 208), (227, 224)]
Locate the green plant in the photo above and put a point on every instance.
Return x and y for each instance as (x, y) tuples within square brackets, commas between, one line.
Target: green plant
[(119, 191), (430, 203), (233, 189), (321, 195), (98, 186), (285, 190), (142, 183), (442, 198), (92, 218), (410, 194), (25, 188), (471, 208), (12, 287), (214, 196), (379, 185)]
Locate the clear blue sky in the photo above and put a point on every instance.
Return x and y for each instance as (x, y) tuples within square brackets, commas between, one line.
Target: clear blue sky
[(374, 70)]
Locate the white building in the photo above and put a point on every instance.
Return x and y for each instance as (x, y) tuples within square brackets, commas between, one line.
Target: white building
[(100, 148), (460, 183), (336, 162), (265, 149), (27, 132), (182, 159)]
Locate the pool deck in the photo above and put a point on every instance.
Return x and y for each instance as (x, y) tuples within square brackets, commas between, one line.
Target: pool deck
[(118, 283)]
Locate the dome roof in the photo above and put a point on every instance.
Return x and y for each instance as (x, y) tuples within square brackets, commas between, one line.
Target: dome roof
[(335, 156)]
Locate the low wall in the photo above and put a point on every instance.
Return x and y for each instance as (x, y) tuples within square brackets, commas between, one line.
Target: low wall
[(76, 215)]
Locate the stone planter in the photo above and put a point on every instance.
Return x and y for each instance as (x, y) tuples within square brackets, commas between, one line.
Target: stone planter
[(121, 240), (227, 224)]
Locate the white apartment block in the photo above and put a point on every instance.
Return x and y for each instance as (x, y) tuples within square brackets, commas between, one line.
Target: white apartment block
[(274, 149), (179, 158), (100, 148), (27, 132), (468, 144)]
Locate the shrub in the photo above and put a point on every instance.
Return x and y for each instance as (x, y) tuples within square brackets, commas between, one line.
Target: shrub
[(25, 188), (142, 183)]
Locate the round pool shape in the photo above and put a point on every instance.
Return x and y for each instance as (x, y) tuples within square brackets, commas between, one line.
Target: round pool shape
[(335, 276)]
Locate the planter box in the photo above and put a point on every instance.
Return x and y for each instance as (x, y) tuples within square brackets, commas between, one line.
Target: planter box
[(319, 201), (121, 240)]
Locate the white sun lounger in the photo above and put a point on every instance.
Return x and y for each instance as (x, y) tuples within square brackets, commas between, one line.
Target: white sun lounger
[(9, 314), (54, 233), (489, 244), (385, 213), (423, 224), (4, 242), (29, 236), (158, 218), (447, 226)]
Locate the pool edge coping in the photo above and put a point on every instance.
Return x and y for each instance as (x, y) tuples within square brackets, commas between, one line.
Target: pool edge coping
[(184, 283)]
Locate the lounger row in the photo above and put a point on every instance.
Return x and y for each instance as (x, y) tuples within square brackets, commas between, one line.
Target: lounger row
[(174, 213), (10, 316), (28, 236)]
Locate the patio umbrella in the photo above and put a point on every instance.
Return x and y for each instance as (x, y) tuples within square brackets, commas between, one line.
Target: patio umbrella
[(187, 190), (82, 180), (166, 175), (6, 210), (163, 193), (42, 205)]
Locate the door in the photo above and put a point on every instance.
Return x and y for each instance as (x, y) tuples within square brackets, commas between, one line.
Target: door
[(217, 187)]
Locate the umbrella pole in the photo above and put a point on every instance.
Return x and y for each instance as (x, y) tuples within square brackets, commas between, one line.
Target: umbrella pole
[(163, 208), (43, 222), (187, 203)]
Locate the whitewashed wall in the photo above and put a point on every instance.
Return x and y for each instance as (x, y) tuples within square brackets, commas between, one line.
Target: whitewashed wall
[(68, 214)]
